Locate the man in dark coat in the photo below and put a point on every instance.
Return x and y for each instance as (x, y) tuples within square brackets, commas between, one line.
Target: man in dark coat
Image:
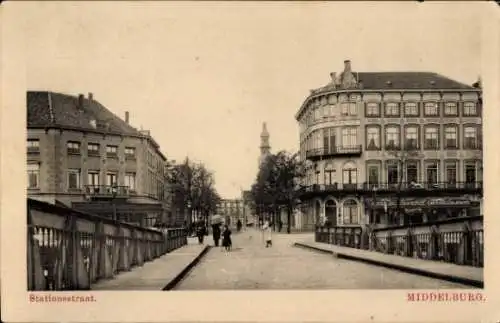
[(216, 233)]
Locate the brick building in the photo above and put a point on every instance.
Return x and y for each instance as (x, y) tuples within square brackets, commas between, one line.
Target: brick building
[(81, 155), (366, 136)]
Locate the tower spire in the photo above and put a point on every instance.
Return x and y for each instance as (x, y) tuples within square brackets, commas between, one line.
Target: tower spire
[(265, 147)]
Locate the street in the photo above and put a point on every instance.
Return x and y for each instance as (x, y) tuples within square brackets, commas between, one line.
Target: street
[(252, 266)]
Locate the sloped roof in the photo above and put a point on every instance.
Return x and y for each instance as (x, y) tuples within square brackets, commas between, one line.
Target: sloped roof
[(45, 109), (402, 81)]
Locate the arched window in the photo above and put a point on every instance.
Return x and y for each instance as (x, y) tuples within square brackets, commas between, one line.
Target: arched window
[(349, 175), (350, 212)]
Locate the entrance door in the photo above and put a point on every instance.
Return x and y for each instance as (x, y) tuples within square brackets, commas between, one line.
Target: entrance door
[(331, 212)]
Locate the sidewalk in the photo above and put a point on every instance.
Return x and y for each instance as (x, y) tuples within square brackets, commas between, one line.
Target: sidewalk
[(159, 274), (467, 275)]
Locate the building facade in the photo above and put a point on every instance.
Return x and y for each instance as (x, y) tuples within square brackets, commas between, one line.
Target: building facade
[(81, 155), (232, 210), (368, 137)]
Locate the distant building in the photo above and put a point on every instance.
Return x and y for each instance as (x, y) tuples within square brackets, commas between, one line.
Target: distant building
[(81, 155), (232, 210), (364, 135)]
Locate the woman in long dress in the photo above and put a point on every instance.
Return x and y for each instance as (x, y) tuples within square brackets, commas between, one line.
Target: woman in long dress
[(226, 238)]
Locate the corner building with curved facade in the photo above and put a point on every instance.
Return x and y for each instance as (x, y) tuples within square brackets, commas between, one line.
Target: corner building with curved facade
[(366, 136)]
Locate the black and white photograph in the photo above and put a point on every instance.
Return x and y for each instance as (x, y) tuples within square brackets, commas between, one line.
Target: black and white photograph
[(178, 147)]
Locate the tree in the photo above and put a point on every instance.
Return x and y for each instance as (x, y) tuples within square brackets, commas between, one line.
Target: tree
[(277, 183), (195, 186)]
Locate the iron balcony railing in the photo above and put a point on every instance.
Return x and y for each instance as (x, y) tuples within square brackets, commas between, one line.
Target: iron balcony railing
[(334, 151), (107, 191), (405, 186)]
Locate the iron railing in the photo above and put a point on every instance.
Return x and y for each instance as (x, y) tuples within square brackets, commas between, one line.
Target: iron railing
[(71, 250), (392, 187), (447, 242), (107, 191)]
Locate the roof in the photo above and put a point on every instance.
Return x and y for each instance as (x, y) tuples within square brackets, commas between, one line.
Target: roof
[(403, 81), (46, 109), (51, 109)]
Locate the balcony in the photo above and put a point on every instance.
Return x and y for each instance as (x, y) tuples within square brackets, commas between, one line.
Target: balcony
[(107, 191), (407, 188), (345, 151)]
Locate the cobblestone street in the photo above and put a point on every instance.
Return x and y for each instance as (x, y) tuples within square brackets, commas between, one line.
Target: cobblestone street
[(252, 266)]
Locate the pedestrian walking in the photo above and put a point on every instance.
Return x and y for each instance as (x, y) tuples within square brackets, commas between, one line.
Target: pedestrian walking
[(239, 225), (216, 233), (201, 232), (268, 234), (226, 238)]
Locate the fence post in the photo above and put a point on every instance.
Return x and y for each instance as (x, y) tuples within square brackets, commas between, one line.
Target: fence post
[(409, 243), (36, 280)]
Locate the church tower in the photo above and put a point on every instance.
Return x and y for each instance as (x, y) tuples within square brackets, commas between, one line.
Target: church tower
[(265, 148)]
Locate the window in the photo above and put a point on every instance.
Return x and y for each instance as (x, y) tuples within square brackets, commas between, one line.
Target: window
[(33, 175), (373, 174), (373, 137), (392, 173), (73, 147), (470, 137), (451, 137), (329, 140), (349, 137), (93, 178), (130, 181), (451, 173), (73, 179), (33, 145), (470, 109), (111, 150), (329, 170), (411, 137), (93, 149), (392, 137), (451, 109), (412, 172), (470, 172), (431, 109), (432, 175), (350, 212), (411, 109), (372, 109), (349, 176), (317, 115), (349, 109), (431, 138), (111, 179), (391, 109)]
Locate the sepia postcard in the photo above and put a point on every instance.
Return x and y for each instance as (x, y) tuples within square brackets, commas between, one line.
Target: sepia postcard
[(250, 161)]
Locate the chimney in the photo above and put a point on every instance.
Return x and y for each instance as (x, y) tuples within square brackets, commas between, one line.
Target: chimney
[(333, 76), (80, 101), (347, 65), (91, 97), (126, 116)]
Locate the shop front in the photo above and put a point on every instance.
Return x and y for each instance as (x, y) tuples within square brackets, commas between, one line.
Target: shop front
[(383, 211)]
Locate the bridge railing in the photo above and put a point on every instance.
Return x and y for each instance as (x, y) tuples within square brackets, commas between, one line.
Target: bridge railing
[(70, 250), (457, 240)]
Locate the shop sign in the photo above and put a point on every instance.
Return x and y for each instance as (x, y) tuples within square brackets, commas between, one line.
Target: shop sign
[(419, 203)]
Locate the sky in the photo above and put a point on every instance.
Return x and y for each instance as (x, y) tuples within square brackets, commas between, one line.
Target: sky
[(203, 77)]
